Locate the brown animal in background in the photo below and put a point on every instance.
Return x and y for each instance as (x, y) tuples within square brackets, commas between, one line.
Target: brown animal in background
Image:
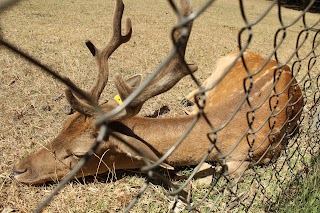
[(274, 96)]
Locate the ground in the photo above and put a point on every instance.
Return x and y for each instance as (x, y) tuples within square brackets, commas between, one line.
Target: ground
[(33, 103)]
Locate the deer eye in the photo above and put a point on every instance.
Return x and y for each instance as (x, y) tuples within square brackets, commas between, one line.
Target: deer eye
[(78, 156)]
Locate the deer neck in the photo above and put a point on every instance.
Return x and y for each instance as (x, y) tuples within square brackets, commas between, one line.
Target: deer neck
[(162, 133)]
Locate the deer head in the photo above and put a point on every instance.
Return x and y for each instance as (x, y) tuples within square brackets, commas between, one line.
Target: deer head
[(78, 133)]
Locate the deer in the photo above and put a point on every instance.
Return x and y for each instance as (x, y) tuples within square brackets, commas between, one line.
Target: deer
[(252, 111)]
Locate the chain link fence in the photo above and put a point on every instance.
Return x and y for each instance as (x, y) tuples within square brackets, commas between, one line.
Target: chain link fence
[(262, 186)]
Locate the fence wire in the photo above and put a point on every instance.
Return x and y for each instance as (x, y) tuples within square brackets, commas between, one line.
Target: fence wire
[(248, 191)]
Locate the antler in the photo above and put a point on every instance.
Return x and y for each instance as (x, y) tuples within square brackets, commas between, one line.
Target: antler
[(102, 57), (171, 74)]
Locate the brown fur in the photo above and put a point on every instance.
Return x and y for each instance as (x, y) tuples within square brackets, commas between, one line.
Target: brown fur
[(154, 137)]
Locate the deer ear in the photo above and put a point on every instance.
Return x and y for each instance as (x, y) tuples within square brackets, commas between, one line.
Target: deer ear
[(129, 85), (126, 87), (134, 81)]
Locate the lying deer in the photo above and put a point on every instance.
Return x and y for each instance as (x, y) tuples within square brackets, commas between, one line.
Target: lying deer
[(251, 127)]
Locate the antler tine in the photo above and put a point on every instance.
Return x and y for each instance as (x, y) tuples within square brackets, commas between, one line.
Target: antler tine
[(172, 73), (102, 57), (118, 38)]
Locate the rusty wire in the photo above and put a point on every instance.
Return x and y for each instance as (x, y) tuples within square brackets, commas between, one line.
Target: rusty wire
[(221, 185)]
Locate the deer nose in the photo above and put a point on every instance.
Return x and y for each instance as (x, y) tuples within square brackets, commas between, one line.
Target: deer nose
[(18, 171)]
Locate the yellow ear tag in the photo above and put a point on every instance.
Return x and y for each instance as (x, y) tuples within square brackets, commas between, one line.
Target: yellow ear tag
[(117, 98)]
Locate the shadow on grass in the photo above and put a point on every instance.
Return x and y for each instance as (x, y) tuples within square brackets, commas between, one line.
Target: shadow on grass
[(114, 176), (301, 4)]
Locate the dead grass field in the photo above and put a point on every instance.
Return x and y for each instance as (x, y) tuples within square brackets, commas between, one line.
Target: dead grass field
[(33, 104)]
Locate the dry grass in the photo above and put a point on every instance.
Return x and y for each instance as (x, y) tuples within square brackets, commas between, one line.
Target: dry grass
[(32, 106)]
